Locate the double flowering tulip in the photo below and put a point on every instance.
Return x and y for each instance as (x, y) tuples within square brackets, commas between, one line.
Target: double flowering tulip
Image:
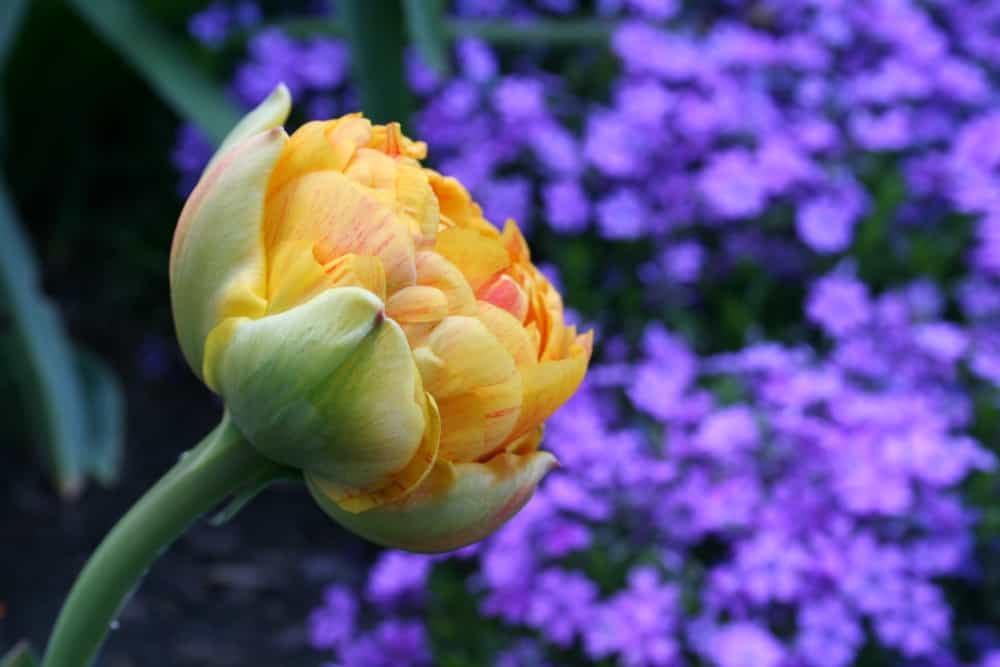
[(365, 324), (367, 328)]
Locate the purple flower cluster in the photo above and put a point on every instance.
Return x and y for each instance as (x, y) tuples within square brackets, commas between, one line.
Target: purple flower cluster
[(786, 504)]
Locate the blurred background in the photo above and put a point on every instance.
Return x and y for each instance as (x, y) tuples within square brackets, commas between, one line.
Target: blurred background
[(781, 217)]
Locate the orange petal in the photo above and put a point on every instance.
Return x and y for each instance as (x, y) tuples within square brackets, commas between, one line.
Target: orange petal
[(341, 217), (548, 385), (460, 355), (417, 304), (476, 255), (434, 270), (511, 334), (504, 293), (321, 145)]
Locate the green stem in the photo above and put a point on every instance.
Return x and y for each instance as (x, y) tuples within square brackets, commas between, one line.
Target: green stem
[(222, 463)]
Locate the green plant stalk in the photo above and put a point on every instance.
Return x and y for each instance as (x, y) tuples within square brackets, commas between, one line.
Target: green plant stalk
[(221, 464)]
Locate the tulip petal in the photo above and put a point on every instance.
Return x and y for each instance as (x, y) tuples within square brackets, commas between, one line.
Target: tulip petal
[(269, 114), (550, 384), (515, 338), (321, 145), (477, 256), (341, 217), (354, 500), (456, 505), (417, 304), (329, 386), (217, 260), (434, 270)]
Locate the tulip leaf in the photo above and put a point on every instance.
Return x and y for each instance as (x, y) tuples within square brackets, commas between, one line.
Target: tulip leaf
[(425, 21), (11, 16), (19, 656), (536, 32), (106, 418), (376, 34), (76, 417), (162, 62)]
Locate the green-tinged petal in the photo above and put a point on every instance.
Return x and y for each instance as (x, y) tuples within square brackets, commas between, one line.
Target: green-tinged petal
[(456, 505), (329, 386), (217, 265), (269, 114)]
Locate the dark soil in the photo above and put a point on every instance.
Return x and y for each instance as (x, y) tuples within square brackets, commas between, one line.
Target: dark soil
[(237, 594)]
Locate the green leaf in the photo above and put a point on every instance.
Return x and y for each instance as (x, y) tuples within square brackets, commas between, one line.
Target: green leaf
[(20, 656), (106, 418), (425, 20), (47, 378), (162, 62), (376, 33), (11, 16)]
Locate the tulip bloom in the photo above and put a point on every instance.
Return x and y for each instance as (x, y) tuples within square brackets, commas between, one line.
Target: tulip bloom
[(365, 324)]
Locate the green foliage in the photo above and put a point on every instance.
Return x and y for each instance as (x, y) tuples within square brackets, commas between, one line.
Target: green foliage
[(425, 21), (73, 402), (376, 33), (161, 61), (19, 656)]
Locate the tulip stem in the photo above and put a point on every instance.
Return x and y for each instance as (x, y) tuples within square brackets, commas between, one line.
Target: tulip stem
[(221, 464)]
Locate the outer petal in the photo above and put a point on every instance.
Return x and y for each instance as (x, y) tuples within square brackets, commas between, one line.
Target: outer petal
[(455, 505), (329, 386), (269, 114), (217, 258)]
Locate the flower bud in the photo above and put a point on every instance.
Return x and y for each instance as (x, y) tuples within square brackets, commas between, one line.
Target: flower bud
[(364, 323)]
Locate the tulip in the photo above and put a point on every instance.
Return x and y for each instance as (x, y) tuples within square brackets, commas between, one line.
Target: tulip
[(365, 324), (368, 330)]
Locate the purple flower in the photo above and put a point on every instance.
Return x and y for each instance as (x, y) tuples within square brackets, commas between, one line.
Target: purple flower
[(567, 207), (622, 215), (731, 185), (477, 60), (916, 620), (826, 223), (323, 64), (637, 623), (839, 304), (829, 634), (397, 577), (333, 624), (393, 643), (561, 605), (744, 644)]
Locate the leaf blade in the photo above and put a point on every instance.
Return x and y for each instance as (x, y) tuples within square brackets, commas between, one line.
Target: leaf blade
[(164, 65)]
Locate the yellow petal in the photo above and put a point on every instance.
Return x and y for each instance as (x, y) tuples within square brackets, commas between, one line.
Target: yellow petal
[(321, 145), (511, 334), (460, 355), (435, 271), (550, 384), (341, 217), (358, 271), (417, 304), (217, 259), (456, 505), (329, 386), (476, 255)]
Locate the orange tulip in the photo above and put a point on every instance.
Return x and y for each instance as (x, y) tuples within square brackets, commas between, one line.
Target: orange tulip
[(364, 323)]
